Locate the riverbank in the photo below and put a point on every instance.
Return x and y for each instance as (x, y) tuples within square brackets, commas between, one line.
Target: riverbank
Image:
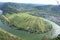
[(4, 35)]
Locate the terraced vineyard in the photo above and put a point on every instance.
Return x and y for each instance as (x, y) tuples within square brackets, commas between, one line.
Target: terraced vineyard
[(24, 25), (27, 23)]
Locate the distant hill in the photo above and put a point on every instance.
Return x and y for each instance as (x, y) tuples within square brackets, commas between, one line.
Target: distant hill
[(15, 7), (18, 7), (49, 8)]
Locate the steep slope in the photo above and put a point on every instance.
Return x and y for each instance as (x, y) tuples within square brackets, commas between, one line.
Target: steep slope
[(7, 36), (27, 23)]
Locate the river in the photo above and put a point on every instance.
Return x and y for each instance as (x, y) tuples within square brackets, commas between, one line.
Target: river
[(28, 36)]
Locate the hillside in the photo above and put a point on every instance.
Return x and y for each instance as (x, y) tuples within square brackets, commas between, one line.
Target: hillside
[(12, 7), (15, 7), (27, 22), (7, 36)]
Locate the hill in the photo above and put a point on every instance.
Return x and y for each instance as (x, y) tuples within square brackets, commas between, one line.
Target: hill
[(12, 7), (26, 22)]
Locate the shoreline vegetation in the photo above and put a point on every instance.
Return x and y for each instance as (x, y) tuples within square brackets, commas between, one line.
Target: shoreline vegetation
[(8, 36)]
